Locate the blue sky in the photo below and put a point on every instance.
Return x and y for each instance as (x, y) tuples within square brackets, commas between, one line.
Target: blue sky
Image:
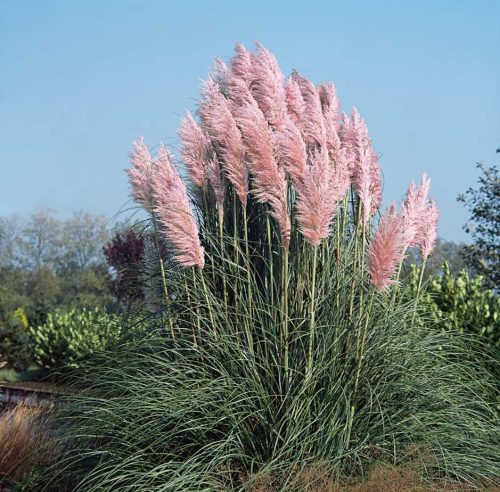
[(79, 80)]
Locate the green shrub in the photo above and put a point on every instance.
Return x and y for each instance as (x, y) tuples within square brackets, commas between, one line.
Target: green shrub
[(15, 341), (462, 303), (66, 337)]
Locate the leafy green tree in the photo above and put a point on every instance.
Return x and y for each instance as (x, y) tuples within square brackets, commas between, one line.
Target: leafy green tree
[(483, 256)]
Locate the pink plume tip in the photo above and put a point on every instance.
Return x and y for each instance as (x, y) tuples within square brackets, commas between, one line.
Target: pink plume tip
[(194, 150), (430, 231), (385, 250), (268, 86), (362, 160), (174, 212), (140, 175), (313, 120), (241, 64), (414, 212), (228, 142), (318, 196)]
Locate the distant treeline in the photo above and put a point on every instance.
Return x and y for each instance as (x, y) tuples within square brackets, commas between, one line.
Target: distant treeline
[(47, 262)]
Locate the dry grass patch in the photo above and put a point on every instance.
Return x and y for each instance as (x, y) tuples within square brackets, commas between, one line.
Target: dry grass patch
[(24, 441), (382, 479)]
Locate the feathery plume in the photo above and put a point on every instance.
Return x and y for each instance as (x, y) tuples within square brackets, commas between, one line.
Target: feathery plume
[(238, 92), (219, 73), (357, 151), (269, 181), (375, 184), (429, 233), (385, 249), (414, 210), (211, 97), (313, 121), (318, 197), (348, 138), (330, 107), (210, 91), (331, 114), (291, 149), (194, 150), (174, 212), (241, 64), (329, 104), (229, 144), (140, 175), (295, 102), (268, 86)]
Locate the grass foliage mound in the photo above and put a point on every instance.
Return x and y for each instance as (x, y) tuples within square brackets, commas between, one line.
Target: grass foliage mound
[(218, 414), (286, 343)]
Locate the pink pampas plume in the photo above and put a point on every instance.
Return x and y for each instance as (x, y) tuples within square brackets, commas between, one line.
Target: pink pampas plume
[(268, 86), (331, 115), (429, 232), (241, 64), (348, 138), (414, 210), (140, 175), (194, 150), (291, 150), (208, 107), (363, 163), (174, 212), (269, 180), (210, 92), (375, 185), (313, 121), (229, 144), (385, 250), (219, 72), (317, 200), (295, 102), (330, 104)]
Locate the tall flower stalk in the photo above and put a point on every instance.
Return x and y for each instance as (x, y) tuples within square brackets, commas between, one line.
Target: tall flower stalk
[(141, 176)]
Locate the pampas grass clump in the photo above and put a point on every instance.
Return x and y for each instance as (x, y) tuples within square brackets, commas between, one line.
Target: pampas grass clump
[(287, 343)]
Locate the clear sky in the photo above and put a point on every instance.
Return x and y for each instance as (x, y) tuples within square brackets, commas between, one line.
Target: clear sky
[(80, 79)]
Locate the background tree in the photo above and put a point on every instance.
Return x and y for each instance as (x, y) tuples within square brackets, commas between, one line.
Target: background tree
[(9, 237), (37, 247), (445, 251), (48, 263), (82, 238), (483, 256)]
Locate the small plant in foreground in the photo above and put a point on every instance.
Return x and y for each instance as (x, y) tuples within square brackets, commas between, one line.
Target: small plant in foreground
[(290, 342)]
